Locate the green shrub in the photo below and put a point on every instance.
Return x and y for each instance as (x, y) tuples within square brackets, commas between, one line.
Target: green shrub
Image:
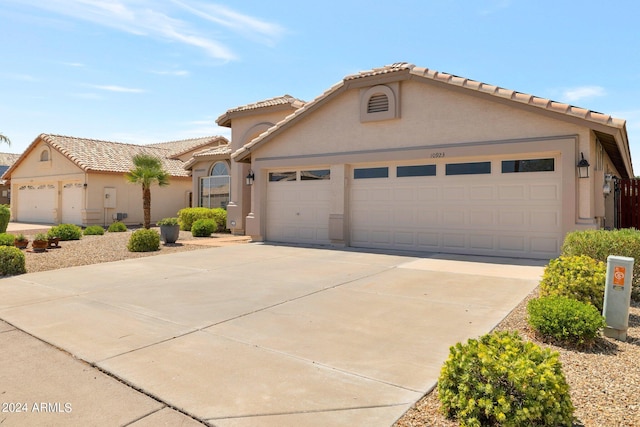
[(12, 261), (117, 227), (203, 227), (144, 240), (579, 277), (65, 232), (7, 239), (188, 216), (565, 319), (599, 244), (501, 380), (94, 230), (5, 216), (167, 221)]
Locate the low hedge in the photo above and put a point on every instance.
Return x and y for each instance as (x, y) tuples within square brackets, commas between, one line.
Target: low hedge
[(579, 277), (65, 232), (94, 230), (7, 239), (203, 227), (599, 244), (117, 227), (144, 240), (12, 261), (188, 216), (565, 319)]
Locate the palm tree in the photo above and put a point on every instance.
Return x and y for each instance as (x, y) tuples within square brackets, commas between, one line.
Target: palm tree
[(5, 139), (147, 170)]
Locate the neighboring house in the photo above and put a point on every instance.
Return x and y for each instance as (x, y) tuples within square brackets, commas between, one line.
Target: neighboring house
[(407, 158), (62, 179), (6, 160)]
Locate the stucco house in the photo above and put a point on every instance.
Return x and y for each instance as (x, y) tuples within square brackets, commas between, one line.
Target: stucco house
[(62, 179), (408, 158)]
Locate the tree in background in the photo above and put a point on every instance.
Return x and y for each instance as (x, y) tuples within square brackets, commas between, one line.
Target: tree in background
[(147, 171), (5, 139)]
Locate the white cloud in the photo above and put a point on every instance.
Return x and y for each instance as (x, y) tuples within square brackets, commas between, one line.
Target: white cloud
[(86, 95), (21, 77), (244, 24), (178, 73), (73, 64), (114, 88), (582, 92), (494, 6), (158, 19)]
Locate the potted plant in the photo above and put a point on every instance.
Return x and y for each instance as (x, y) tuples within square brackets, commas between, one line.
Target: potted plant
[(169, 230), (52, 239), (40, 242), (21, 242)]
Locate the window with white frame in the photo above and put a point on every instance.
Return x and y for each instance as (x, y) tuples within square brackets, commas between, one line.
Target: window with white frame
[(215, 188)]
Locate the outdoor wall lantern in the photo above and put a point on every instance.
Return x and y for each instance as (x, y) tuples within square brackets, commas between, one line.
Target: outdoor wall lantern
[(583, 167), (250, 177)]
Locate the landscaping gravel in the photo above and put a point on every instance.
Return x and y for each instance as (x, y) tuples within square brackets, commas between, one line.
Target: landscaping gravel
[(604, 380), (97, 249)]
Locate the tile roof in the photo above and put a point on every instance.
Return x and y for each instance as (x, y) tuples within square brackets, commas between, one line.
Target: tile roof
[(224, 119), (7, 159), (221, 151), (413, 72), (109, 156), (177, 148)]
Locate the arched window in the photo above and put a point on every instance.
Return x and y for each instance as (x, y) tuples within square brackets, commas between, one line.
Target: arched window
[(44, 156), (215, 188)]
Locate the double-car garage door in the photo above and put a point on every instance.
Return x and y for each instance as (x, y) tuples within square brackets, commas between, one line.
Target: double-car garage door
[(506, 207)]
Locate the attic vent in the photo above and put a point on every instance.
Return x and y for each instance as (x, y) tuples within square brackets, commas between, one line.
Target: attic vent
[(378, 103)]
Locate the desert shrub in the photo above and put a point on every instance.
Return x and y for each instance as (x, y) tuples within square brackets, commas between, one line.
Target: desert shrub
[(12, 261), (7, 239), (188, 216), (144, 240), (168, 221), (579, 277), (565, 319), (599, 244), (65, 232), (5, 216), (203, 227), (94, 230), (501, 380), (117, 227)]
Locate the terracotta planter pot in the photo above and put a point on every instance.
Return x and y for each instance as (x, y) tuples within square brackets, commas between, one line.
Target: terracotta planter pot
[(21, 244), (39, 245)]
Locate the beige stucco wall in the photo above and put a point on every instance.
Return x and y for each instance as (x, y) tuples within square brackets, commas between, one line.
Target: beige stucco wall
[(433, 120), (165, 201)]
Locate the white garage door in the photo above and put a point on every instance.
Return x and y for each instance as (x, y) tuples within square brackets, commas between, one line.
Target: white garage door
[(72, 203), (500, 207), (298, 206), (36, 203)]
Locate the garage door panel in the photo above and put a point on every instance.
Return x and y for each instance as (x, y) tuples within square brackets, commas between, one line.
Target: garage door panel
[(481, 241), (545, 245), (511, 192), (482, 193), (482, 218), (544, 192)]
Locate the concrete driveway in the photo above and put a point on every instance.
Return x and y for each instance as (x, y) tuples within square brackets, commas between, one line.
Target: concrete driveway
[(252, 335)]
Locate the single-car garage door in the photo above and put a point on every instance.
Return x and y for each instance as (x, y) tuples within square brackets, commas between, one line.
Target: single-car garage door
[(509, 207), (36, 203), (72, 203), (298, 206)]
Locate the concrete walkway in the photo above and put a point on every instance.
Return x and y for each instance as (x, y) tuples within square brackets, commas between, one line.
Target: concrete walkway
[(244, 335)]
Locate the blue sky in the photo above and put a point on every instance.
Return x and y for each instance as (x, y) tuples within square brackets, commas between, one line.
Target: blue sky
[(142, 71)]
